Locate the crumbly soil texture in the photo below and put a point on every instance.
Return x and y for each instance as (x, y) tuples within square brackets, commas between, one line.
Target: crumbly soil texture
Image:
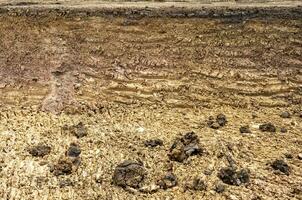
[(150, 103)]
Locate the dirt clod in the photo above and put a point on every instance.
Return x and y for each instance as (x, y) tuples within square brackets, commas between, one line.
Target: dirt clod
[(285, 114), (232, 177), (283, 130), (288, 155), (168, 181), (129, 173), (282, 166), (220, 121), (245, 129), (63, 167), (40, 150), (79, 130), (184, 147), (153, 143), (73, 150), (267, 127)]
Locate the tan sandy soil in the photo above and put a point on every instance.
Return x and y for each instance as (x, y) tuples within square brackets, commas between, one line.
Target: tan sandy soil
[(129, 78)]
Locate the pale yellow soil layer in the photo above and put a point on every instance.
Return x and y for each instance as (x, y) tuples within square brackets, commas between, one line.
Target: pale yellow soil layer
[(129, 79)]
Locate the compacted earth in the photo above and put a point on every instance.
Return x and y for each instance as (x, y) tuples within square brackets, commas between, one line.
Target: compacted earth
[(150, 103)]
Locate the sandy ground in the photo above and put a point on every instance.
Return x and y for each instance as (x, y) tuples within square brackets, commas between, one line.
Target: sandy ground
[(133, 78)]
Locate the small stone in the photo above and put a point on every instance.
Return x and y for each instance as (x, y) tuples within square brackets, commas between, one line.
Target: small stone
[(129, 174), (281, 166), (300, 156), (73, 150), (285, 114), (219, 188), (153, 143), (40, 150), (267, 127), (283, 130), (168, 181), (245, 129), (221, 119), (288, 155)]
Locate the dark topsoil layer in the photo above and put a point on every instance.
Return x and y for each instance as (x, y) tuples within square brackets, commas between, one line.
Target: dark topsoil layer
[(34, 10)]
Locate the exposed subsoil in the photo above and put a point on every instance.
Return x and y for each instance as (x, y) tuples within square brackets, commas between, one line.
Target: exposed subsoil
[(129, 106)]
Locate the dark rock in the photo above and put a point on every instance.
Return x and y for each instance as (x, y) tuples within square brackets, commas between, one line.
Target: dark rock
[(267, 127), (283, 130), (281, 166), (63, 167), (184, 147), (232, 177), (153, 143), (288, 155), (285, 114), (221, 119), (79, 130), (73, 150), (245, 129), (168, 181), (129, 173), (219, 188), (40, 150)]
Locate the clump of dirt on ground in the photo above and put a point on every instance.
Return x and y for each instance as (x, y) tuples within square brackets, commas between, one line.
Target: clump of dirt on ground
[(40, 150), (220, 121), (129, 174), (153, 143), (168, 181), (268, 127), (281, 166), (186, 146), (198, 184), (231, 176), (78, 130), (245, 129), (73, 150), (63, 167)]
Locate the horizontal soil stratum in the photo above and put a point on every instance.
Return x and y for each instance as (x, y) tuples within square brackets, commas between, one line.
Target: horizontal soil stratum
[(151, 100)]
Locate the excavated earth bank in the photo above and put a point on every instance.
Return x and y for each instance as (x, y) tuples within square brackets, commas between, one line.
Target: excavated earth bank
[(150, 102)]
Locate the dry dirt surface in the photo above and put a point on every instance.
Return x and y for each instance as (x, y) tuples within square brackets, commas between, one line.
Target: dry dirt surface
[(108, 102)]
